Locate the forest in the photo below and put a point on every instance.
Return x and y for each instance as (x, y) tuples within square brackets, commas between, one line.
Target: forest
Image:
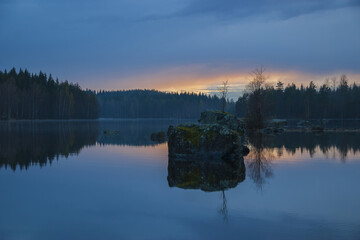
[(156, 104), (38, 96), (327, 101)]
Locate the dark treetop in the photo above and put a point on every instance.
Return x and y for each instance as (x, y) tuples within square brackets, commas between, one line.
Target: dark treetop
[(38, 96), (156, 104), (311, 102)]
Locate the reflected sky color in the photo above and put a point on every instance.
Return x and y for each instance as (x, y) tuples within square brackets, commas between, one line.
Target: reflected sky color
[(102, 193), (180, 45), (303, 154), (98, 189)]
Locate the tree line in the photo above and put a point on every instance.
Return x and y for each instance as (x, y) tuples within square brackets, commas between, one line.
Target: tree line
[(156, 104), (38, 96), (329, 100)]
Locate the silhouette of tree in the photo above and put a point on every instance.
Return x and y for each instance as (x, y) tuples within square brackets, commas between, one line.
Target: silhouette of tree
[(156, 104), (223, 91), (305, 102), (36, 96), (255, 99)]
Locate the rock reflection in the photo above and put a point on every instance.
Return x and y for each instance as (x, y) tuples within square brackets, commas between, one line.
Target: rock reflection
[(208, 176)]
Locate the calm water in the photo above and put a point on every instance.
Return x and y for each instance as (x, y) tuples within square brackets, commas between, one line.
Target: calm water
[(69, 180)]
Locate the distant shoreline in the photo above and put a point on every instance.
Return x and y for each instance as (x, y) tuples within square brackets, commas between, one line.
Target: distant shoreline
[(93, 120), (337, 130)]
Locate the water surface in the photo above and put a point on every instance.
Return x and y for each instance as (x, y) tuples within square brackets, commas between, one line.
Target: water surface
[(69, 180)]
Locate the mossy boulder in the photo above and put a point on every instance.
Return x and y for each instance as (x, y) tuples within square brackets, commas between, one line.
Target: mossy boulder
[(205, 141), (222, 118)]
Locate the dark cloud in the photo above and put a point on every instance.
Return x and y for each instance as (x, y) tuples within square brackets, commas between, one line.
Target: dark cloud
[(80, 40), (280, 8)]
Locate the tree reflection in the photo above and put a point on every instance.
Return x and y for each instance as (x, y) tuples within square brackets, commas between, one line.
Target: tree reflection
[(223, 210), (23, 144), (331, 144), (132, 132), (27, 143), (259, 161)]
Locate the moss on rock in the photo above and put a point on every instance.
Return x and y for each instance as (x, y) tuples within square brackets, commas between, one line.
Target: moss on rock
[(190, 133)]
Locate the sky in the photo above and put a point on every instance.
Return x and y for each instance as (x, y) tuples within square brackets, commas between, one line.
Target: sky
[(191, 45)]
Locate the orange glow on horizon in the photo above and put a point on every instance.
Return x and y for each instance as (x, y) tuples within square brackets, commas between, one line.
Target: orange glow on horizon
[(201, 79)]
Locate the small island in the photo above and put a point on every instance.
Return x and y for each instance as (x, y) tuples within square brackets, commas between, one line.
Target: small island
[(208, 155)]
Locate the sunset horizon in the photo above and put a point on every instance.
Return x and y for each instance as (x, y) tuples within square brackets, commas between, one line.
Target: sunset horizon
[(179, 119), (177, 45)]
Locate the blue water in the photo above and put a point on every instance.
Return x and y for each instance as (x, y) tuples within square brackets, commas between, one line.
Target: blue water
[(87, 185)]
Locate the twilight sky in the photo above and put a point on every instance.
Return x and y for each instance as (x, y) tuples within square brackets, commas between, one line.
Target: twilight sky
[(181, 44)]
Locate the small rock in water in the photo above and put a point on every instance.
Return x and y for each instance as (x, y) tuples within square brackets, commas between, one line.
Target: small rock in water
[(317, 129), (110, 132)]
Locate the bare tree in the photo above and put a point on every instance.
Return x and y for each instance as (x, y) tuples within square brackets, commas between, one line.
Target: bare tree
[(258, 80), (223, 90), (255, 92)]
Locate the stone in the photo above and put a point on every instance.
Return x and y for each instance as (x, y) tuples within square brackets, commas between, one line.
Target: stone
[(272, 130), (245, 150), (109, 132), (277, 123), (317, 129), (222, 118), (205, 141), (304, 124)]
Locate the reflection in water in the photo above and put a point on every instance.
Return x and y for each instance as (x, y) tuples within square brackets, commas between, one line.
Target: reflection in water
[(329, 144), (24, 143), (27, 143), (209, 176), (259, 161), (132, 132), (266, 148), (223, 210)]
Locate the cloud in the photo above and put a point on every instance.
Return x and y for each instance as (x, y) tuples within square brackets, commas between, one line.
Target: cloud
[(280, 8), (206, 79), (108, 44)]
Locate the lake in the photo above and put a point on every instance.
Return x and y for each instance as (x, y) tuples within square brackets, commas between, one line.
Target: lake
[(69, 180)]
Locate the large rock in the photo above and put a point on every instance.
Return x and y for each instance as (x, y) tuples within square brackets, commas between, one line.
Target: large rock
[(205, 141), (222, 118)]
